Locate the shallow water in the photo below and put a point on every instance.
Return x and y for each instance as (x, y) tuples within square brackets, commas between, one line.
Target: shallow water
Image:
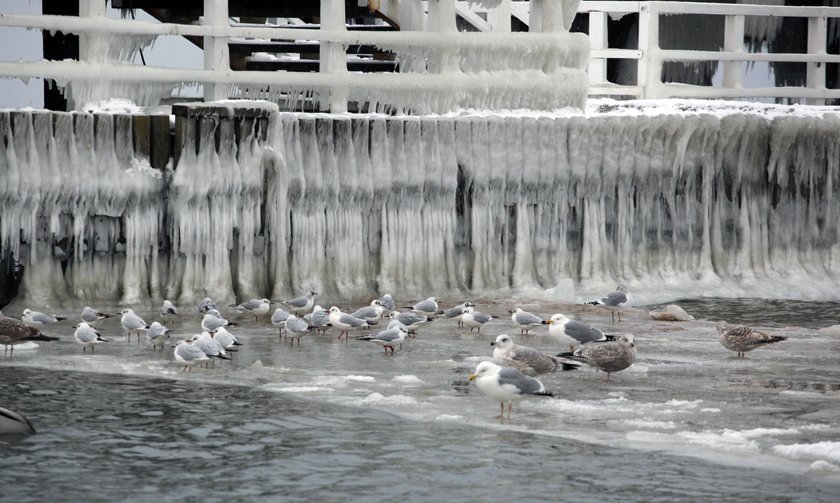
[(334, 420)]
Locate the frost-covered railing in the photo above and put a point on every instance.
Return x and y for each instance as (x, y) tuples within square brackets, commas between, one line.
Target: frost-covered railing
[(441, 68), (651, 56)]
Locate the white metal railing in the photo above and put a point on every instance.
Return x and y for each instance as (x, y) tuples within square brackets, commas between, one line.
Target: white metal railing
[(651, 56), (418, 18)]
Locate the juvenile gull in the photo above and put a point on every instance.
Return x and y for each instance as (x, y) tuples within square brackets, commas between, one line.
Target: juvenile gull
[(615, 299), (189, 354), (14, 331), (343, 322), (157, 334), (296, 327), (525, 320), (475, 319), (278, 319), (301, 305), (455, 312), (608, 357), (132, 323), (394, 334), (257, 307), (740, 338), (527, 360), (168, 308), (87, 336), (90, 315), (38, 319), (506, 384), (572, 332), (12, 423)]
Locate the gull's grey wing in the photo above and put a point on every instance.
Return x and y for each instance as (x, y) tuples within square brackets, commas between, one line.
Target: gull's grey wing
[(614, 298), (525, 384), (582, 332), (297, 301), (427, 306), (295, 324), (526, 318)]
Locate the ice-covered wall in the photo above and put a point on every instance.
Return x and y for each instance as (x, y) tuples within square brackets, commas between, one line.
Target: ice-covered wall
[(673, 203)]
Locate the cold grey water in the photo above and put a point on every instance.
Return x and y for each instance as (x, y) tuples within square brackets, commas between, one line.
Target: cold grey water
[(333, 420)]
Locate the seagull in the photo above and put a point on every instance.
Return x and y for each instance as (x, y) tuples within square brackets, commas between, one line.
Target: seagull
[(320, 319), (371, 314), (506, 384), (226, 339), (412, 321), (428, 307), (157, 334), (206, 305), (12, 423), (213, 319), (37, 319), (389, 337), (343, 322), (87, 336), (617, 298), (302, 304), (91, 316), (257, 307), (525, 320), (210, 346), (474, 319), (14, 331), (132, 323), (296, 327), (278, 319), (527, 360), (741, 338), (608, 357), (573, 332), (189, 354), (388, 303), (168, 308), (454, 313)]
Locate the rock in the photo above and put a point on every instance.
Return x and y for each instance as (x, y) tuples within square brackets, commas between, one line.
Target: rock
[(671, 313)]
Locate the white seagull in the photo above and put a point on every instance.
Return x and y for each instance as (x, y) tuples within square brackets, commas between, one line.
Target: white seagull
[(38, 319), (189, 354), (320, 319), (506, 384), (371, 314), (91, 316), (213, 319), (168, 308), (278, 319), (301, 305), (257, 307), (343, 321), (132, 323), (573, 333), (455, 312), (394, 334), (226, 339), (296, 327), (388, 303), (87, 336), (474, 319), (615, 299), (525, 320), (157, 334), (428, 307), (206, 305)]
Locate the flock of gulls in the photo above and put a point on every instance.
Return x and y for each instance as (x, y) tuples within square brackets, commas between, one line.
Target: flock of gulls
[(510, 376)]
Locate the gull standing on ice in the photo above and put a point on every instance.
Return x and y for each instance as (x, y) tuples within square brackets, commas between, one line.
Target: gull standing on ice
[(388, 303), (157, 334), (506, 384), (343, 321), (411, 320), (573, 333), (525, 320), (132, 323), (474, 319), (37, 319), (87, 336), (278, 319), (189, 354), (301, 305), (167, 308), (210, 346), (319, 319), (455, 312), (608, 357), (371, 314), (296, 327), (527, 360), (213, 319), (428, 307), (206, 305), (91, 316), (615, 299), (741, 338), (226, 339), (394, 334), (14, 331), (257, 307)]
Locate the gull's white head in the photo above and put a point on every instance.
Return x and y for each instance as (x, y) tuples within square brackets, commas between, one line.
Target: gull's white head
[(557, 318), (483, 369), (127, 311), (27, 312), (503, 341)]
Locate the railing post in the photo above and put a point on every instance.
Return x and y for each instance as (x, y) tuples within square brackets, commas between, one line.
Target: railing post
[(815, 73), (499, 17), (333, 56), (442, 20), (546, 16), (597, 41), (733, 41), (216, 52), (91, 46), (649, 75)]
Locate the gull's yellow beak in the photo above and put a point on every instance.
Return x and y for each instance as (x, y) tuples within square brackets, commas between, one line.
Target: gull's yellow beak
[(472, 377)]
